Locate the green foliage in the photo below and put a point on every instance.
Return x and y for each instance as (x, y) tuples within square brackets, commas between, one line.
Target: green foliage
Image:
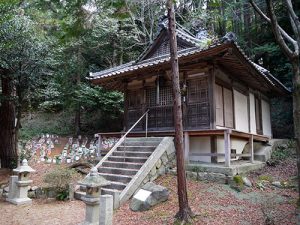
[(283, 152), (43, 123), (59, 179), (265, 178), (238, 180), (62, 195)]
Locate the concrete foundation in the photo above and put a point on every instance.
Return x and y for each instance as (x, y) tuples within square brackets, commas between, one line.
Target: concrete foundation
[(236, 167)]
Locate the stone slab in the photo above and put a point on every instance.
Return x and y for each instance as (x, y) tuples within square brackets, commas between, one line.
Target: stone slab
[(106, 210)]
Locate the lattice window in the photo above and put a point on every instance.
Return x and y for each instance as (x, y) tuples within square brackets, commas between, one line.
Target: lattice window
[(198, 115), (197, 90), (198, 105), (165, 96), (134, 99), (151, 96), (161, 112), (161, 117), (133, 116)]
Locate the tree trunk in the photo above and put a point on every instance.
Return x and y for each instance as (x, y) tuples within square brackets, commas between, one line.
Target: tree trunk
[(296, 113), (8, 150), (77, 120), (184, 213)]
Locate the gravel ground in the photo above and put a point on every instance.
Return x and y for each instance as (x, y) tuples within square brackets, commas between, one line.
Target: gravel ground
[(42, 212), (211, 202)]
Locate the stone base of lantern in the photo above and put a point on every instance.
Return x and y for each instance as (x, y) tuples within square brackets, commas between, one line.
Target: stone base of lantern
[(20, 201), (20, 197), (92, 211)]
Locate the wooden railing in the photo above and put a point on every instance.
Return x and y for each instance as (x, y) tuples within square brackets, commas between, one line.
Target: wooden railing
[(122, 139)]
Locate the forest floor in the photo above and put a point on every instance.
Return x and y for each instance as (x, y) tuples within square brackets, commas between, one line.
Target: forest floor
[(212, 203)]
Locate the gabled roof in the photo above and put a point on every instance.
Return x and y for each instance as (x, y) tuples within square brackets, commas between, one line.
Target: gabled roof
[(228, 54), (160, 44)]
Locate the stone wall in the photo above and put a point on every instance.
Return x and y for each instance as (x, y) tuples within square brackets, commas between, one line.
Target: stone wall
[(166, 162)]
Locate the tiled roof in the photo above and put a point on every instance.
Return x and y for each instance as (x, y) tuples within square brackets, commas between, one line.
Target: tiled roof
[(198, 48)]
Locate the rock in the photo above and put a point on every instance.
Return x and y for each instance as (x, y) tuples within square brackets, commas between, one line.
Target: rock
[(31, 194), (34, 188), (277, 184), (164, 159), (247, 182), (158, 164), (40, 193), (153, 171), (6, 189), (149, 195), (161, 170), (1, 192)]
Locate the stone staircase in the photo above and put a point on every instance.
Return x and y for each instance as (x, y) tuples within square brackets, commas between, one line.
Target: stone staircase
[(129, 164)]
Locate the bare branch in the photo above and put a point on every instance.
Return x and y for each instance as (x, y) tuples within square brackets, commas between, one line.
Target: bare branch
[(293, 18), (278, 34), (278, 30)]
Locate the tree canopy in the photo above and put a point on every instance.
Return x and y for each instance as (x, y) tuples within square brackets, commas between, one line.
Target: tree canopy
[(49, 48)]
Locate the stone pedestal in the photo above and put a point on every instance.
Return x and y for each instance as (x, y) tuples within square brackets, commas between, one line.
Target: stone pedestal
[(12, 187), (93, 183), (20, 197), (106, 210), (91, 211), (18, 186)]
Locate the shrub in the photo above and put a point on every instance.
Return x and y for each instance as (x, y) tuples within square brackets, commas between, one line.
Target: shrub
[(266, 178), (283, 152), (238, 180), (59, 180)]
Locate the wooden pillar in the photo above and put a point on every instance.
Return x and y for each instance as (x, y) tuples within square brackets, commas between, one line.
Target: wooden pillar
[(212, 101), (251, 149), (186, 146), (227, 147), (125, 122), (213, 148)]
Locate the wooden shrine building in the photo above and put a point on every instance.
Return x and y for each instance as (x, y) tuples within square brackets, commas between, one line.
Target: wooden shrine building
[(225, 96)]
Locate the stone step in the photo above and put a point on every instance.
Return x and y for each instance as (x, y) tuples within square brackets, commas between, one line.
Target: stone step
[(132, 153), (140, 143), (137, 148), (128, 165), (79, 194), (116, 177), (107, 191), (146, 139), (116, 185), (113, 170), (127, 159)]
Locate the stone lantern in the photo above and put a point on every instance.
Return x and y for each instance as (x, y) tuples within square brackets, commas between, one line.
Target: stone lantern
[(93, 184), (19, 185)]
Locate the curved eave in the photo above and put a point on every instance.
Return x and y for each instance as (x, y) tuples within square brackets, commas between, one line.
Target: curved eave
[(112, 78)]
